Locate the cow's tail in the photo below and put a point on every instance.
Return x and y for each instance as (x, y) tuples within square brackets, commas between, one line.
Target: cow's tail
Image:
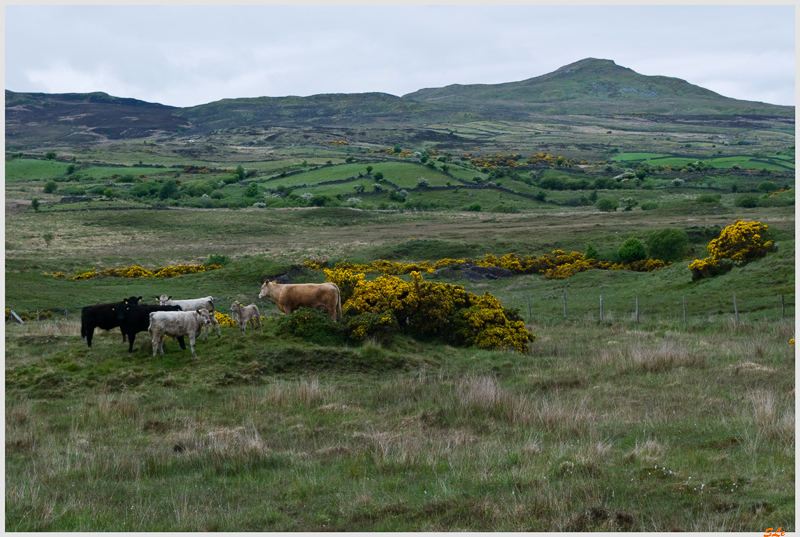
[(338, 304)]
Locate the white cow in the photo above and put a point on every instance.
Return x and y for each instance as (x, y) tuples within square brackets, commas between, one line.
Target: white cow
[(246, 315), (174, 324), (192, 304)]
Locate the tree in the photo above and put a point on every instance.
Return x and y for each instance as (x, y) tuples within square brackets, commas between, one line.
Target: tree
[(50, 155), (397, 149), (239, 172), (632, 250), (369, 169), (628, 203), (378, 176), (591, 252), (251, 191), (109, 193), (607, 205), (50, 187), (35, 204), (669, 244), (48, 238), (168, 189), (767, 186)]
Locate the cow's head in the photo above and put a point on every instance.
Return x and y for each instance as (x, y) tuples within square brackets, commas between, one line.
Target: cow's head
[(204, 315), (235, 305), (163, 299), (266, 289)]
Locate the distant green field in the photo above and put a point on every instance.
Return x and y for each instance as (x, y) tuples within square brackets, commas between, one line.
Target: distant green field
[(772, 162), (25, 169)]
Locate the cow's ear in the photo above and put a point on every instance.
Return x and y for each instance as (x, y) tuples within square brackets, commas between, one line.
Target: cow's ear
[(140, 298), (169, 298), (124, 300)]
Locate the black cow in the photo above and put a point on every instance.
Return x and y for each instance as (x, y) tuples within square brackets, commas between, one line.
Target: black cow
[(105, 316), (136, 318)]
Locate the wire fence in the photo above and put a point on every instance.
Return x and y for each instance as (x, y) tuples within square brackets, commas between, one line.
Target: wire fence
[(741, 306)]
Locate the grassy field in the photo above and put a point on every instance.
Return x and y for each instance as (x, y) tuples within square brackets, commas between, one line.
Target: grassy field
[(655, 423)]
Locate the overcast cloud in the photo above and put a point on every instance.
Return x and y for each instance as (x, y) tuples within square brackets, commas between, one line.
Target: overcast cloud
[(190, 55)]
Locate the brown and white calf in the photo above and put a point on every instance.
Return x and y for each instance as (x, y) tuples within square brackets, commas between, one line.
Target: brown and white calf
[(290, 296), (191, 304), (247, 314), (175, 324)]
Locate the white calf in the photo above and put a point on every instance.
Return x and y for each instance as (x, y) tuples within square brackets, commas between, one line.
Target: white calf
[(176, 323), (192, 304), (246, 315)]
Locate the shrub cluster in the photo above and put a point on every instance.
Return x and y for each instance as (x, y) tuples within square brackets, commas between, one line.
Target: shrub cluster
[(427, 310), (557, 264), (136, 271), (737, 244)]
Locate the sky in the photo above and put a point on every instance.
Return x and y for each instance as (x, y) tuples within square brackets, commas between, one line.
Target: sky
[(190, 55)]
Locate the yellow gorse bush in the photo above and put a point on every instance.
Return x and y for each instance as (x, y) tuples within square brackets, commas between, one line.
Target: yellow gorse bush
[(224, 319), (740, 242), (430, 309), (556, 265), (139, 272)]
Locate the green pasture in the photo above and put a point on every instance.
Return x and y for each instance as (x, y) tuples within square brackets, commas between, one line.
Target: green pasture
[(771, 162), (26, 169), (620, 424)]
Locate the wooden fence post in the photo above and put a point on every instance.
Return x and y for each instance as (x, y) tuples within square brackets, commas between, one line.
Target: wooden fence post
[(529, 307), (565, 305), (735, 309), (601, 307), (783, 308), (637, 308)]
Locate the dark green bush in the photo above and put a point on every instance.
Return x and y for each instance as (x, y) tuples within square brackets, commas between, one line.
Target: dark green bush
[(746, 201), (706, 198), (667, 244), (197, 188), (311, 325), (649, 205), (372, 326), (607, 205), (632, 250), (218, 259), (50, 187)]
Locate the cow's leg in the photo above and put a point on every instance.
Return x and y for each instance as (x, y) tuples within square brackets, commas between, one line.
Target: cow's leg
[(181, 342), (89, 335), (131, 339), (161, 344), (191, 344), (154, 343), (215, 324)]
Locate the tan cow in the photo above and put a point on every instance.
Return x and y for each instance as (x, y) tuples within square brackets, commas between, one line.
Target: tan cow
[(246, 315), (290, 296)]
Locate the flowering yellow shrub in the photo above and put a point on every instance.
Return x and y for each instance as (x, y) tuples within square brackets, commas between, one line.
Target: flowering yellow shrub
[(346, 280), (557, 264), (428, 309), (224, 319), (139, 272), (740, 242)]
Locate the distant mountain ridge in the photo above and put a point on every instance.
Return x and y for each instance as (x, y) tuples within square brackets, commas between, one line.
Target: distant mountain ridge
[(588, 87)]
